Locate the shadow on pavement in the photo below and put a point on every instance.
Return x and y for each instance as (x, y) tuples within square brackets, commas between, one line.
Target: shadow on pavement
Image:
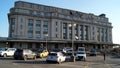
[(117, 56), (6, 58), (38, 61)]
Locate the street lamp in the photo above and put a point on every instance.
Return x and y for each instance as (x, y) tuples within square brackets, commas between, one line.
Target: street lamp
[(6, 44), (72, 38), (46, 40)]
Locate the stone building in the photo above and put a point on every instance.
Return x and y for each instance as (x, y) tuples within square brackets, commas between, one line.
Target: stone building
[(34, 25)]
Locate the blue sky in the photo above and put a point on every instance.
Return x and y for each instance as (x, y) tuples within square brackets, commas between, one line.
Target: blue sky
[(110, 7)]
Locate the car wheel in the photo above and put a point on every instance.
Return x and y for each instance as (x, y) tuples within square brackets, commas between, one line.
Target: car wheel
[(25, 57), (84, 59), (42, 56), (59, 61), (34, 57), (5, 55), (15, 58)]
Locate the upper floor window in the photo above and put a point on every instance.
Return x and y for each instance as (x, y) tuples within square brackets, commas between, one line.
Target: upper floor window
[(38, 21), (30, 35), (46, 14), (45, 23), (30, 21), (31, 12), (64, 25), (46, 8), (56, 23), (12, 20), (30, 27), (38, 13), (30, 5)]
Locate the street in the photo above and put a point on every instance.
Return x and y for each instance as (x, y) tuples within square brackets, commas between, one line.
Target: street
[(91, 62)]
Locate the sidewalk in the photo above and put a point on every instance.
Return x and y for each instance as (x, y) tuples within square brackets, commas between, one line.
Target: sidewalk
[(110, 62)]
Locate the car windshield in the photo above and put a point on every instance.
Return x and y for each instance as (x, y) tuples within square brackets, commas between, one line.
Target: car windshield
[(3, 49), (68, 48), (19, 50), (80, 52), (93, 51), (81, 49), (40, 50), (52, 54)]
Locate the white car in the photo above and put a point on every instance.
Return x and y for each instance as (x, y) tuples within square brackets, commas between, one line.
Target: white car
[(7, 51), (56, 57), (81, 55), (81, 48)]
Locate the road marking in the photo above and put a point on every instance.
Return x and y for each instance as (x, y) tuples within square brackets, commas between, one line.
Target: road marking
[(108, 66), (86, 66), (15, 64)]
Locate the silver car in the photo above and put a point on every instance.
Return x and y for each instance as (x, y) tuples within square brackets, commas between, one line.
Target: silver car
[(24, 54)]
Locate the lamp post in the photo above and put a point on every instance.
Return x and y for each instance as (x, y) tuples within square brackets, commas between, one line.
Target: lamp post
[(6, 44), (72, 39), (46, 40)]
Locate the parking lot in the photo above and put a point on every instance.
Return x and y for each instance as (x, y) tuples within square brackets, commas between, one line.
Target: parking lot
[(91, 62)]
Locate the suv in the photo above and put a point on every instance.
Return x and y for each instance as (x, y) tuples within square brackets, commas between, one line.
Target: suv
[(24, 54), (7, 51), (81, 55)]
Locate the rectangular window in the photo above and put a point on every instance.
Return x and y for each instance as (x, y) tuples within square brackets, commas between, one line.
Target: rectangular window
[(13, 27), (56, 35), (37, 6), (56, 23), (38, 13), (38, 22), (46, 8), (30, 27), (12, 20), (81, 32), (56, 29), (45, 27), (30, 35), (31, 12), (38, 29), (45, 23), (37, 32), (23, 4), (30, 5), (64, 30), (30, 21)]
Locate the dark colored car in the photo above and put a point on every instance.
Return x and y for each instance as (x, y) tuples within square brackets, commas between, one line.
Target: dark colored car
[(24, 54), (93, 53)]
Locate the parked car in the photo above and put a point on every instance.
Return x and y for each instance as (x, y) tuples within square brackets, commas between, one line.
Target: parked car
[(24, 54), (81, 49), (68, 50), (7, 51), (93, 53), (42, 53), (56, 57), (81, 55)]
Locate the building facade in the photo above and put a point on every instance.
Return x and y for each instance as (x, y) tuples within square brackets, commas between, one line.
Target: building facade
[(34, 25)]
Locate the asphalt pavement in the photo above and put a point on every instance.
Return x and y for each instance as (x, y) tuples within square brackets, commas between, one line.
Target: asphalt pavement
[(91, 62)]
